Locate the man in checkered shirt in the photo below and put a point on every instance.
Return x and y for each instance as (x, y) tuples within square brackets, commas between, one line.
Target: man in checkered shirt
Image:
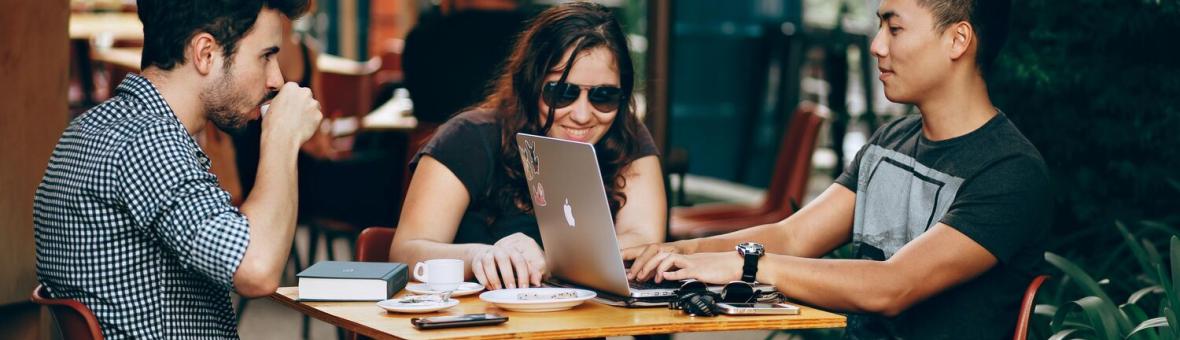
[(128, 219)]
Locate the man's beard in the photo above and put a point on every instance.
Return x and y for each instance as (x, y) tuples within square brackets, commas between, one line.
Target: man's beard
[(222, 102)]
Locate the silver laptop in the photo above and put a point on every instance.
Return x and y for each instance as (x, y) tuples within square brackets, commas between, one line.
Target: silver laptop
[(576, 224)]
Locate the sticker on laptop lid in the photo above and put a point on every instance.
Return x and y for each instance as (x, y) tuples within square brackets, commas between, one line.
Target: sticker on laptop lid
[(539, 195)]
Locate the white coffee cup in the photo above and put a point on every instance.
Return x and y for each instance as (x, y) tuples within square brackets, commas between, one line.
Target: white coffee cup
[(440, 274)]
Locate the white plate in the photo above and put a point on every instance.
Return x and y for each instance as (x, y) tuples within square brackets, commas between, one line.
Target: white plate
[(511, 299), (466, 288), (395, 305)]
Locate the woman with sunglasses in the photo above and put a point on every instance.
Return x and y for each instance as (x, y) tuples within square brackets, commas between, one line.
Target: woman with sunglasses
[(569, 76)]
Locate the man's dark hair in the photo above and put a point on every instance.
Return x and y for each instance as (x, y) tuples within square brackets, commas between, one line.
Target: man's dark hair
[(169, 24), (989, 18)]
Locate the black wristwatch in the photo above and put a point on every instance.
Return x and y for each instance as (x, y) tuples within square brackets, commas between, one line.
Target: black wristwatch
[(751, 252)]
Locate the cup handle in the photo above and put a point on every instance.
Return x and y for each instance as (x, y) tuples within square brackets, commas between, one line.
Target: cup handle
[(420, 272)]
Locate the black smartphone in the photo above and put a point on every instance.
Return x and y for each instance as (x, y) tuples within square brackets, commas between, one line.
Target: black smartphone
[(464, 320)]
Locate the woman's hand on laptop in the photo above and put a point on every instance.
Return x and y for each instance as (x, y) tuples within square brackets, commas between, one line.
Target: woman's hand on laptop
[(647, 257), (515, 261)]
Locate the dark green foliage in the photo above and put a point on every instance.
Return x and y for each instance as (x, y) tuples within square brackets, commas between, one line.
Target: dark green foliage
[(1095, 85)]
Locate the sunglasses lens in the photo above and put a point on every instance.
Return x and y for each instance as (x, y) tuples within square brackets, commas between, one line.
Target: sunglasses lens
[(605, 98), (560, 95), (737, 292)]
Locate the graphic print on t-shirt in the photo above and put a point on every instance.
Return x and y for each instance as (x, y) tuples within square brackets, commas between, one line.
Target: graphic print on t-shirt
[(897, 199)]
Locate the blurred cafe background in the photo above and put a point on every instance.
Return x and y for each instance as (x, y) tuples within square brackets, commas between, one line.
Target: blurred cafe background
[(756, 105)]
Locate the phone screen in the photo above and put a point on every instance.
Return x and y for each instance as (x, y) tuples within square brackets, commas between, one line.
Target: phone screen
[(755, 305)]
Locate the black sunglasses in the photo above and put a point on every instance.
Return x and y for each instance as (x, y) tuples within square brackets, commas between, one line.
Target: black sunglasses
[(604, 98)]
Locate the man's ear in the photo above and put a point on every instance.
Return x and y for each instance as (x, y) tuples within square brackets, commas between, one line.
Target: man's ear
[(962, 36), (203, 52)]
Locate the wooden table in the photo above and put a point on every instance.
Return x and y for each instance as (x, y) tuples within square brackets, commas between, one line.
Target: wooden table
[(116, 26), (126, 58), (589, 319), (103, 29)]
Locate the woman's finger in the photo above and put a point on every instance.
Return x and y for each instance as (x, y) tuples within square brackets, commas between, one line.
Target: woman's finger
[(478, 272), (489, 266), (521, 269), (507, 275)]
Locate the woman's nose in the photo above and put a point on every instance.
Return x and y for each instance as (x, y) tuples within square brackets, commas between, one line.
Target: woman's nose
[(582, 113)]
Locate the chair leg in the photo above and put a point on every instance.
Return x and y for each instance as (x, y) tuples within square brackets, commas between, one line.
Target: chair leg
[(329, 241), (242, 302), (295, 258), (313, 240), (313, 244), (306, 327)]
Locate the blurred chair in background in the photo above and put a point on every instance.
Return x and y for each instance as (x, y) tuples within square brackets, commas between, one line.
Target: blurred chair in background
[(784, 195)]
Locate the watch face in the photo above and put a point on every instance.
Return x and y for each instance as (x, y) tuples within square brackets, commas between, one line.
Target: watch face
[(750, 248)]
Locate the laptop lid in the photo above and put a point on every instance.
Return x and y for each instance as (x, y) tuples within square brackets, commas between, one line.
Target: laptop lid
[(573, 213)]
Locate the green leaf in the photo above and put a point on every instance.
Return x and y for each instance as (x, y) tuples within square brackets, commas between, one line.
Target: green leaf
[(1141, 293), (1137, 316), (1099, 313), (1140, 255), (1148, 324), (1175, 273), (1064, 334), (1152, 254), (1083, 280), (1171, 315), (1045, 310), (1134, 313)]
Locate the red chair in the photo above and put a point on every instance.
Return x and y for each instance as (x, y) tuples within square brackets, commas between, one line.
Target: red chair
[(1026, 307), (787, 187), (373, 244), (75, 319)]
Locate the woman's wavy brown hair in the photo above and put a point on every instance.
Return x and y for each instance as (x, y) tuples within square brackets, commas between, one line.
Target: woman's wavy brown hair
[(514, 95)]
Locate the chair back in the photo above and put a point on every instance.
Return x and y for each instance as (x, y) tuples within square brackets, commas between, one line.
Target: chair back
[(75, 319), (346, 85), (1026, 307), (792, 166), (373, 244)]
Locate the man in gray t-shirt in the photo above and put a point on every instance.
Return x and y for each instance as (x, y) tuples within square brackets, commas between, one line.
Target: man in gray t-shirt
[(946, 211)]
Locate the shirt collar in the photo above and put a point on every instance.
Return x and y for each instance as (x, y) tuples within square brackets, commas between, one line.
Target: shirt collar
[(138, 89)]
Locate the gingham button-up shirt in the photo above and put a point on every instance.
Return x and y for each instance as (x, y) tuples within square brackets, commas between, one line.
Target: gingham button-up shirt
[(130, 222)]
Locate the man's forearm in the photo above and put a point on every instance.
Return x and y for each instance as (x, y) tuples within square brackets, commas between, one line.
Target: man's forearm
[(846, 285), (271, 210), (769, 235)]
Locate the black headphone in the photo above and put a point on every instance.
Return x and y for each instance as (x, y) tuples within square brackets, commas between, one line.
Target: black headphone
[(694, 297)]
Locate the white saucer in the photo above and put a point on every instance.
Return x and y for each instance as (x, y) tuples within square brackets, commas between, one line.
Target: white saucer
[(395, 305), (511, 299), (466, 288)]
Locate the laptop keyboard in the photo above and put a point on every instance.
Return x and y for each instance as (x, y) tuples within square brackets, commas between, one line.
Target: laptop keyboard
[(653, 284)]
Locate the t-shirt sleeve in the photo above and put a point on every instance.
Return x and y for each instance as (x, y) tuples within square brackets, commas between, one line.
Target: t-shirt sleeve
[(646, 144), (1004, 207), (466, 148), (169, 194), (851, 171)]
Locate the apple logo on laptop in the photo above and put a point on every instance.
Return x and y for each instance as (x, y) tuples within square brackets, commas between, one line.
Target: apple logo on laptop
[(569, 213)]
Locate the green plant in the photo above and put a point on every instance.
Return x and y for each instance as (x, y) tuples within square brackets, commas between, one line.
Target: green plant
[(1092, 86), (1097, 315)]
